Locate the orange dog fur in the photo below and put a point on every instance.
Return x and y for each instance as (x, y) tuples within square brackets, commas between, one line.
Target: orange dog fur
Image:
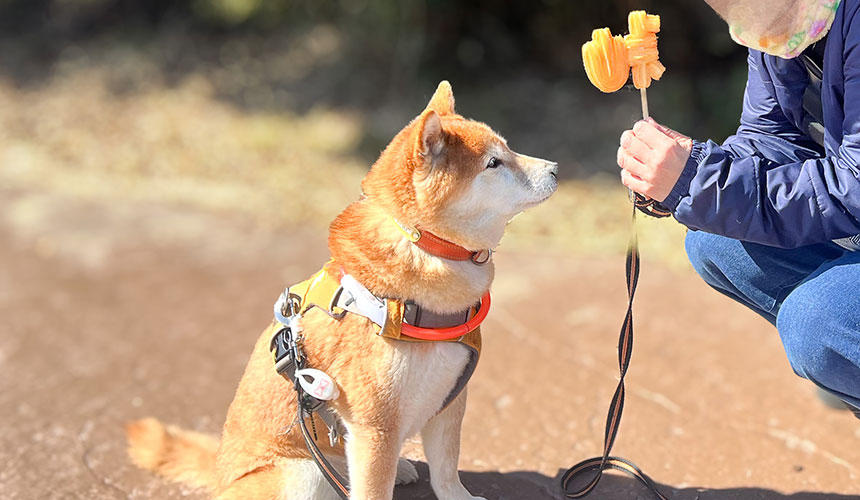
[(443, 173)]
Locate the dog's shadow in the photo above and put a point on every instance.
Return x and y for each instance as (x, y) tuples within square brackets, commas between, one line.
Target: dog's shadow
[(525, 485)]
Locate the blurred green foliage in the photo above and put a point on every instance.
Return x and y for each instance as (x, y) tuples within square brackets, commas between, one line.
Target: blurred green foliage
[(519, 61)]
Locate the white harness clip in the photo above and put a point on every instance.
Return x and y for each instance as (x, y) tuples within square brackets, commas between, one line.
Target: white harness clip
[(317, 383), (362, 302)]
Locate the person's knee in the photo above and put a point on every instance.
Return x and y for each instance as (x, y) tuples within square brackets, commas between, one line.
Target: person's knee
[(704, 251), (810, 328), (794, 323)]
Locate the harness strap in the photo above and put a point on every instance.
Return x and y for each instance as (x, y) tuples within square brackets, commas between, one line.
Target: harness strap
[(355, 298), (288, 357), (613, 419), (465, 375), (453, 332), (407, 320)]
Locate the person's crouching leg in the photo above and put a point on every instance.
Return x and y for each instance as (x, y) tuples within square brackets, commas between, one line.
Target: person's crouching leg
[(819, 323), (726, 265)]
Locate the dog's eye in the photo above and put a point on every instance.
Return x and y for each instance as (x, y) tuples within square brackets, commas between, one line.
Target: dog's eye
[(494, 162)]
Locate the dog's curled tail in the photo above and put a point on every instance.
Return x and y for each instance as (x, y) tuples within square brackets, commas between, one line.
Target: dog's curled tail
[(184, 456)]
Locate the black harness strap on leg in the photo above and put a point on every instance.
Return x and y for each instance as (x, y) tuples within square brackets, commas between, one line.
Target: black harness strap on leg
[(288, 358), (613, 419)]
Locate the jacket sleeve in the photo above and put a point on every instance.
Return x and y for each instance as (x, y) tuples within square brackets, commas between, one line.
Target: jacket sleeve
[(764, 129), (768, 184)]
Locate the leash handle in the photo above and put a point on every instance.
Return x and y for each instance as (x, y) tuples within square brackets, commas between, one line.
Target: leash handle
[(616, 407), (649, 206)]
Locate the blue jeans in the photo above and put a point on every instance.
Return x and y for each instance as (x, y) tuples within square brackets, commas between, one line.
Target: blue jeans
[(811, 294)]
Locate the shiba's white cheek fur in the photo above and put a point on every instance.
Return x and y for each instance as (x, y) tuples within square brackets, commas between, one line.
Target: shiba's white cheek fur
[(493, 197)]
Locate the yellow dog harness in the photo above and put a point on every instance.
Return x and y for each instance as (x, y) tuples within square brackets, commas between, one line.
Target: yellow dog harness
[(338, 294)]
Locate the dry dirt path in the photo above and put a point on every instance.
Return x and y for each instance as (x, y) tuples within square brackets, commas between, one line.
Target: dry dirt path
[(109, 313)]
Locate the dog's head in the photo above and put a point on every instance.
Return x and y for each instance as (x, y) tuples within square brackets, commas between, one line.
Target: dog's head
[(456, 177)]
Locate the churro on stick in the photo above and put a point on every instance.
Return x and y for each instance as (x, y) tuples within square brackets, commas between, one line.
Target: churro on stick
[(605, 59), (608, 59), (642, 48)]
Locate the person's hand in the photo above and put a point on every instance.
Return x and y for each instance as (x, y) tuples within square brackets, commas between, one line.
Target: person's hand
[(652, 158)]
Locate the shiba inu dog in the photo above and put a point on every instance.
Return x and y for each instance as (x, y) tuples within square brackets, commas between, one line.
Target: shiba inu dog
[(455, 181)]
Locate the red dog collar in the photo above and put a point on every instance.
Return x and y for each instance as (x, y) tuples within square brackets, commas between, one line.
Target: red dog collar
[(434, 245)]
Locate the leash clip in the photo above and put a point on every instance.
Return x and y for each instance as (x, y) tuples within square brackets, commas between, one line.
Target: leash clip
[(286, 308)]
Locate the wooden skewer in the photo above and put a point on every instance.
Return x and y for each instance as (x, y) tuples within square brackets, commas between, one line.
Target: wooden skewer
[(644, 95)]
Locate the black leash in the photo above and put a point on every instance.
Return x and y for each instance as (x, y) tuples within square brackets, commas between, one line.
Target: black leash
[(286, 350), (337, 482), (649, 206), (287, 353), (625, 350)]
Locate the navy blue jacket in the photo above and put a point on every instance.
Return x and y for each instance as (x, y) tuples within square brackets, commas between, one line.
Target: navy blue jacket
[(770, 183)]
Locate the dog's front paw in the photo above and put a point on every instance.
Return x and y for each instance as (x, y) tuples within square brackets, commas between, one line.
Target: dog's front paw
[(406, 472)]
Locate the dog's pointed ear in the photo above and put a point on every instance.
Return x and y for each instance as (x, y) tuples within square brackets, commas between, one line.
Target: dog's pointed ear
[(442, 101), (430, 138)]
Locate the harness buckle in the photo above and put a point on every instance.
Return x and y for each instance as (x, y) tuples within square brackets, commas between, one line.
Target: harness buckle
[(281, 349), (360, 300), (283, 365)]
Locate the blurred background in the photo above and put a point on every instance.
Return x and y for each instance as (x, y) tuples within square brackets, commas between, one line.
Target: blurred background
[(168, 166), (275, 108)]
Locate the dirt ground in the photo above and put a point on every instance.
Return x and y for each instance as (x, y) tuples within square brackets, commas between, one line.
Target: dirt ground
[(110, 313)]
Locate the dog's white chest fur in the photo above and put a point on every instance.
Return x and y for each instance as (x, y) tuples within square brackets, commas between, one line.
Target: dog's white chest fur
[(423, 374)]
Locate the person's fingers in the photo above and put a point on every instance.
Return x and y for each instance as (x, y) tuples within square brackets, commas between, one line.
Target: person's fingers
[(680, 138), (630, 163), (653, 137), (634, 183), (635, 147)]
